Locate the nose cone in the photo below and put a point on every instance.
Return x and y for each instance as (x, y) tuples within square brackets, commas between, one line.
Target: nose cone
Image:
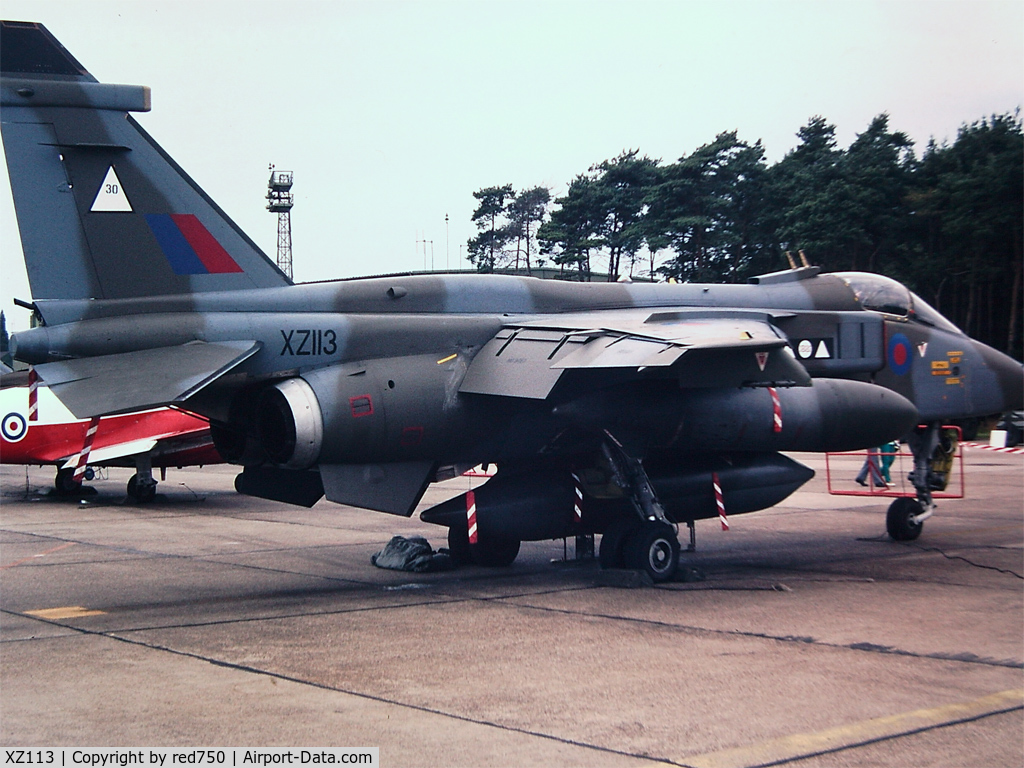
[(997, 383)]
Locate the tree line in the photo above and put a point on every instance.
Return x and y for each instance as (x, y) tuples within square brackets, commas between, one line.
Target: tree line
[(948, 223)]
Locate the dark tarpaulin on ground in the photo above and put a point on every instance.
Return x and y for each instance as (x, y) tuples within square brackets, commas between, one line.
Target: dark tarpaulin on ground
[(412, 554)]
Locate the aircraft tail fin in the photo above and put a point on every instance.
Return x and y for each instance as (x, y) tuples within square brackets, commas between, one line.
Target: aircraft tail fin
[(103, 211)]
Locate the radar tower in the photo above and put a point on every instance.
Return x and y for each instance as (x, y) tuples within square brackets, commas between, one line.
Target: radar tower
[(279, 201)]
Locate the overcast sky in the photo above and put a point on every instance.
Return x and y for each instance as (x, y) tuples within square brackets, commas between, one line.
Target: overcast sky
[(391, 114)]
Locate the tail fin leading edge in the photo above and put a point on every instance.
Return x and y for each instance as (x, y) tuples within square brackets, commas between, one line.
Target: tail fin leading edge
[(103, 211)]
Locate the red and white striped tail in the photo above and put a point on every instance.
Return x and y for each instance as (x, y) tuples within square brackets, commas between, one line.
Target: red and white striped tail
[(83, 457), (719, 501), (471, 516)]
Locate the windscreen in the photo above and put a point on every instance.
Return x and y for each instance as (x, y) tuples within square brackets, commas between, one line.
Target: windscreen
[(882, 294), (924, 312)]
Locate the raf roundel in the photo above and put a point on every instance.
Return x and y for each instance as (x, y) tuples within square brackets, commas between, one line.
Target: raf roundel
[(899, 354), (14, 427)]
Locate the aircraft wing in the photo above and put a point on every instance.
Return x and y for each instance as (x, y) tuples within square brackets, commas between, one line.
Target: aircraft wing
[(699, 347), (132, 381), (116, 451)]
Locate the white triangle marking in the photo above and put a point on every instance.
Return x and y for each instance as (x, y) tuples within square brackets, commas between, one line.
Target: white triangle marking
[(111, 198), (822, 350)]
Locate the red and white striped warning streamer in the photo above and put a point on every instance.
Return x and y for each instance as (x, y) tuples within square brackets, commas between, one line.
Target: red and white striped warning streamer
[(471, 516), (33, 394), (83, 457), (720, 501), (984, 447), (776, 409), (577, 504)]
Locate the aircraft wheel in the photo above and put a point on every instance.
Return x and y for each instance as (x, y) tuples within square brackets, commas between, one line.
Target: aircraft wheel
[(495, 552), (458, 545), (898, 520), (613, 540), (140, 492), (653, 548), (64, 484)]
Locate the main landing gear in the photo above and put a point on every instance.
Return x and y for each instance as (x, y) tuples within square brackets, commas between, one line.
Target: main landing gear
[(648, 541), (490, 552), (641, 545), (142, 485)]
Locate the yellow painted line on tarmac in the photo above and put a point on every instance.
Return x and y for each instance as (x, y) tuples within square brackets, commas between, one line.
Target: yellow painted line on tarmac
[(807, 744), (450, 357), (67, 612)]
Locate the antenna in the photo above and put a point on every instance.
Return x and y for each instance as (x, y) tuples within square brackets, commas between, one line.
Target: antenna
[(280, 201), (425, 243)]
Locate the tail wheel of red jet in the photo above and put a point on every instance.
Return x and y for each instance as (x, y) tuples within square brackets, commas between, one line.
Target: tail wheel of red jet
[(899, 520), (654, 549), (614, 539)]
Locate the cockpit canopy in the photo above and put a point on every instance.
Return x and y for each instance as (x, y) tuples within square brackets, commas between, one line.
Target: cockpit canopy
[(883, 294)]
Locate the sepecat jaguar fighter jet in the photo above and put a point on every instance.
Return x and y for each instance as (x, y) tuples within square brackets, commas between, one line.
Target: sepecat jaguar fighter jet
[(613, 408)]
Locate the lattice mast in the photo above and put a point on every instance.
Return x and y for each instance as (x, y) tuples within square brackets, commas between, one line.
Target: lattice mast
[(280, 201)]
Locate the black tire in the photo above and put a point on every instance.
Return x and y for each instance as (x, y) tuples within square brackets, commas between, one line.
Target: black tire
[(898, 519), (64, 483), (654, 549), (139, 492), (494, 552), (458, 545), (612, 540)]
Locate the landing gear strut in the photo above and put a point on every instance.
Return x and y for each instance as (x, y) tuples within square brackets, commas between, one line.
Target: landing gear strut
[(649, 541)]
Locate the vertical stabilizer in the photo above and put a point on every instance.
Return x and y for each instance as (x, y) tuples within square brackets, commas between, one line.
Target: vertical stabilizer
[(103, 211)]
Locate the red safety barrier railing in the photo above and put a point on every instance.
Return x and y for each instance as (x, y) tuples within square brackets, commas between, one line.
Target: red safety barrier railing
[(841, 474)]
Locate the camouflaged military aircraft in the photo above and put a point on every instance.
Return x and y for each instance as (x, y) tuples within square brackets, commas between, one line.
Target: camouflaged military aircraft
[(613, 408)]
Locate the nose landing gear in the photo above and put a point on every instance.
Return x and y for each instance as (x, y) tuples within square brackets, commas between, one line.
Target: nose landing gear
[(905, 519), (933, 448)]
